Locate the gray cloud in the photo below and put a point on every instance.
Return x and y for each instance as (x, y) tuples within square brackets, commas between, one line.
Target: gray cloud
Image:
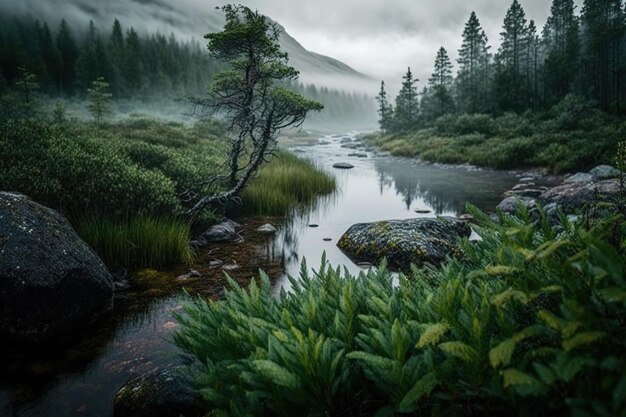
[(378, 37)]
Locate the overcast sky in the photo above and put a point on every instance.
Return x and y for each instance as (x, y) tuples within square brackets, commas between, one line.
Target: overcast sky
[(383, 37), (378, 37)]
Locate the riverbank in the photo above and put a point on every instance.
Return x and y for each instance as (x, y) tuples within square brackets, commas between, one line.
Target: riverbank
[(543, 142)]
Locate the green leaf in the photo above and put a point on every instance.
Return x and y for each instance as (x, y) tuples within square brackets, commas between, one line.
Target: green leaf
[(510, 294), (502, 354), (546, 375), (613, 295), (459, 350), (582, 339), (276, 374), (513, 376), (421, 388), (498, 270), (432, 335)]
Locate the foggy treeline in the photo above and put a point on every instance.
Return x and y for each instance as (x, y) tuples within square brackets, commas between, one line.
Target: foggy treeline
[(139, 67), (578, 55)]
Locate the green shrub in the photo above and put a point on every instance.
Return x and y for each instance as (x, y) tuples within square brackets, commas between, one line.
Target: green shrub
[(283, 184), (530, 322), (138, 242)]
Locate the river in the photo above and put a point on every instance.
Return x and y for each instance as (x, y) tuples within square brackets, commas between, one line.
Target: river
[(57, 381)]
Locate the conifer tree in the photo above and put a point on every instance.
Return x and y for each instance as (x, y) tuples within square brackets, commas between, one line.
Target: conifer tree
[(474, 61), (407, 103), (117, 55), (562, 44), (68, 55), (99, 100), (385, 110), (440, 83), (50, 57), (27, 87), (509, 81), (132, 70)]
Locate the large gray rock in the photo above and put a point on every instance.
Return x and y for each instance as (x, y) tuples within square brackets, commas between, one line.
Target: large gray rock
[(159, 393), (225, 231), (575, 195), (343, 165), (604, 172), (580, 178), (51, 282), (509, 204), (404, 242)]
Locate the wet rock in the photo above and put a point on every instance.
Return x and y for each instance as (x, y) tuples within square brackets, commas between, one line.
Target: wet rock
[(531, 193), (158, 393), (189, 275), (524, 186), (215, 264), (314, 226), (327, 239), (351, 146), (509, 204), (343, 165), (466, 217), (230, 267), (358, 155), (527, 179), (51, 282), (267, 229), (572, 196), (346, 140), (604, 172), (580, 178), (225, 231), (404, 242), (422, 211)]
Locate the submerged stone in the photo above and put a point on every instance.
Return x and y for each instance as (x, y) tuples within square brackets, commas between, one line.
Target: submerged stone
[(159, 393), (343, 165), (404, 242)]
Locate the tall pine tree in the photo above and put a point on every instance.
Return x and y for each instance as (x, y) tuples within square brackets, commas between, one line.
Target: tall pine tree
[(68, 55), (474, 60), (385, 110), (440, 82), (407, 104)]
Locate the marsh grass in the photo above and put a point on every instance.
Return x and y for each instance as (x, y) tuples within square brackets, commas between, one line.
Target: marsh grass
[(137, 242), (284, 184)]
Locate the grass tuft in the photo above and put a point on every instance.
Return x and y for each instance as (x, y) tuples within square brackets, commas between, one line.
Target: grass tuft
[(139, 241), (284, 184)]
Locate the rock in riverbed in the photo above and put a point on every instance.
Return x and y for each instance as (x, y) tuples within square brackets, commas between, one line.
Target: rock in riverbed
[(225, 231), (159, 393), (51, 282), (343, 165), (404, 242)]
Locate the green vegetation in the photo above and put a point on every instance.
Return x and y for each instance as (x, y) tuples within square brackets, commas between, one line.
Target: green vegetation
[(120, 184), (139, 241), (572, 136), (284, 184), (542, 79), (529, 322)]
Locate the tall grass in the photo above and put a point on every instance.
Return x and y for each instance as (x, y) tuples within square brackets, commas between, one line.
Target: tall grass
[(138, 241), (284, 184)]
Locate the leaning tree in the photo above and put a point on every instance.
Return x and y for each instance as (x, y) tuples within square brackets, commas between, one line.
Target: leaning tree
[(251, 97)]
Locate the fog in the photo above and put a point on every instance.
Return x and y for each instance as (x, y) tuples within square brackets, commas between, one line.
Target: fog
[(380, 39)]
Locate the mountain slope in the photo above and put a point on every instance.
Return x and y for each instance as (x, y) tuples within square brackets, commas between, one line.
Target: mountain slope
[(185, 18)]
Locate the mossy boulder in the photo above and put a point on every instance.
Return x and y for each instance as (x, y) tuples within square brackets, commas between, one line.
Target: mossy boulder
[(51, 281), (160, 393), (404, 242)]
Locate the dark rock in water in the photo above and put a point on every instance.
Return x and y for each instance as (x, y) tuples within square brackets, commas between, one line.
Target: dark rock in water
[(51, 282), (423, 211), (327, 239), (267, 229), (159, 393), (404, 242), (605, 172), (509, 204), (351, 145), (343, 165), (575, 195), (581, 177), (225, 231), (314, 226), (346, 140), (524, 186)]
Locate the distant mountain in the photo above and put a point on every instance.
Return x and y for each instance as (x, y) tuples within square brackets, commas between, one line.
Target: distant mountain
[(189, 19)]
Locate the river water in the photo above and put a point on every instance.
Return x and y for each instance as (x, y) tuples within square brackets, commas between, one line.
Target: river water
[(57, 381)]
